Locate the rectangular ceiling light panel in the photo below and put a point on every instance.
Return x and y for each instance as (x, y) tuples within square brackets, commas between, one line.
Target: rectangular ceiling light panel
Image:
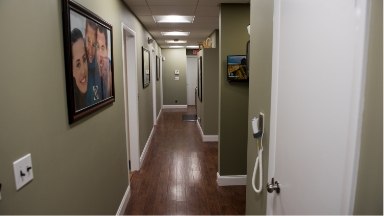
[(176, 47), (175, 33), (176, 41), (173, 19)]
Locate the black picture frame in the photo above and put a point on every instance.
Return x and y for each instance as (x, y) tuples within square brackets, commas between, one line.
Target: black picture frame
[(200, 79), (88, 53), (146, 71), (157, 68)]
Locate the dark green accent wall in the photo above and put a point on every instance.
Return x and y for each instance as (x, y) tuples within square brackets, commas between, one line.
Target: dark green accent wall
[(208, 108), (233, 102), (260, 95), (369, 191), (174, 90)]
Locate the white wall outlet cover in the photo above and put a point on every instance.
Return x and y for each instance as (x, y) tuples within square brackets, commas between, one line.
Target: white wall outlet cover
[(177, 72), (23, 171)]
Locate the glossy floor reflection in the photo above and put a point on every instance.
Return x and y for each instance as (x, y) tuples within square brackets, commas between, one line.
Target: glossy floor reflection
[(179, 174)]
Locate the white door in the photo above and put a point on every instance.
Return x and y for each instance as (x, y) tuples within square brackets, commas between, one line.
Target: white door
[(315, 108), (191, 79)]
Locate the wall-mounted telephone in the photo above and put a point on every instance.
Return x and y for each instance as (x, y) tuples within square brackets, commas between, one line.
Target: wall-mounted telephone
[(258, 132), (257, 125)]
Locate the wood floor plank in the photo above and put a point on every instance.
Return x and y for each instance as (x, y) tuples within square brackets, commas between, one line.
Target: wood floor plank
[(178, 175)]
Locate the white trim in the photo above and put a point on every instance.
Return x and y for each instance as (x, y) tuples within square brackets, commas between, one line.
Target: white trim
[(211, 138), (200, 129), (175, 106), (207, 138), (357, 104), (144, 153), (124, 201), (158, 116), (131, 102), (231, 180)]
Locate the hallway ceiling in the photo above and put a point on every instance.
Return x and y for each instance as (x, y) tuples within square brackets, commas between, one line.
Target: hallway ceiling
[(206, 20)]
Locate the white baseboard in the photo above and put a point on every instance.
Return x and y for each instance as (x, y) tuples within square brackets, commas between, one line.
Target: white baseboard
[(207, 138), (231, 180), (175, 106), (158, 116), (210, 138), (124, 202), (142, 157)]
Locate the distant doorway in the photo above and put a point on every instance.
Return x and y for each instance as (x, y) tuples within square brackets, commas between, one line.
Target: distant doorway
[(191, 79)]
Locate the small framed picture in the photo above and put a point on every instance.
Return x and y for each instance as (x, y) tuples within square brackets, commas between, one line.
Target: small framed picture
[(146, 67), (157, 68)]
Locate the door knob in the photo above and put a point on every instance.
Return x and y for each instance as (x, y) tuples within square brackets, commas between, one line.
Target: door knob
[(273, 186)]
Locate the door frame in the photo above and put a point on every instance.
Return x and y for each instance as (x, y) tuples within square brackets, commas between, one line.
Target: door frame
[(153, 78), (131, 103)]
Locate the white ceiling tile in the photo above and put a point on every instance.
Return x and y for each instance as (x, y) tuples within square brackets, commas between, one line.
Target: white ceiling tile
[(173, 10), (146, 19), (207, 11), (135, 2), (206, 20), (141, 10), (172, 2)]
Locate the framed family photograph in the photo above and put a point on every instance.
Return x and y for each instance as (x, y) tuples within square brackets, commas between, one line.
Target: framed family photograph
[(146, 67), (88, 60)]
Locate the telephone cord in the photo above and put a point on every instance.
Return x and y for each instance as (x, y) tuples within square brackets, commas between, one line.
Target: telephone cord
[(258, 166)]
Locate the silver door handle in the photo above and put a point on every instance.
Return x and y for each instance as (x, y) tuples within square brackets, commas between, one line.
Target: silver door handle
[(273, 186)]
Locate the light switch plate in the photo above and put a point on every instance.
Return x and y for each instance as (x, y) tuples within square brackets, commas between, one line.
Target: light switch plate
[(23, 171)]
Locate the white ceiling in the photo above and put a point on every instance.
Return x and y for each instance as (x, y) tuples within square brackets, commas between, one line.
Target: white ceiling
[(206, 14)]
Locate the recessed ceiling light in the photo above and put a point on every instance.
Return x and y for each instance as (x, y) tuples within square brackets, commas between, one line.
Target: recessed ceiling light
[(175, 33), (175, 41), (176, 47), (173, 19), (193, 47)]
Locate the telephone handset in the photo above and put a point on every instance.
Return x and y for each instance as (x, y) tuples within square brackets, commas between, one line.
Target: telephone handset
[(258, 126), (258, 132)]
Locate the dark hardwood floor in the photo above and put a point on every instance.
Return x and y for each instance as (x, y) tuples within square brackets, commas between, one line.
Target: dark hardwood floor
[(178, 175)]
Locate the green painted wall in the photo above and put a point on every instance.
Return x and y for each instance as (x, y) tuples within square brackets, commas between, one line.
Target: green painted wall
[(208, 108), (260, 94), (174, 90), (79, 169), (369, 192), (233, 102)]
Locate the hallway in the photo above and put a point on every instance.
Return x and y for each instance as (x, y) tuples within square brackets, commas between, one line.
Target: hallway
[(178, 175)]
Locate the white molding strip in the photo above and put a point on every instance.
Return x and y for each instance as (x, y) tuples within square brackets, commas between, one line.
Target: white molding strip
[(231, 180), (124, 202), (207, 138), (211, 138), (175, 106), (144, 153), (158, 116)]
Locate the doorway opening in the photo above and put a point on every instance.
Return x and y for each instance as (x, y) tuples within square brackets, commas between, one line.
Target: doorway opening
[(191, 86), (130, 98)]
